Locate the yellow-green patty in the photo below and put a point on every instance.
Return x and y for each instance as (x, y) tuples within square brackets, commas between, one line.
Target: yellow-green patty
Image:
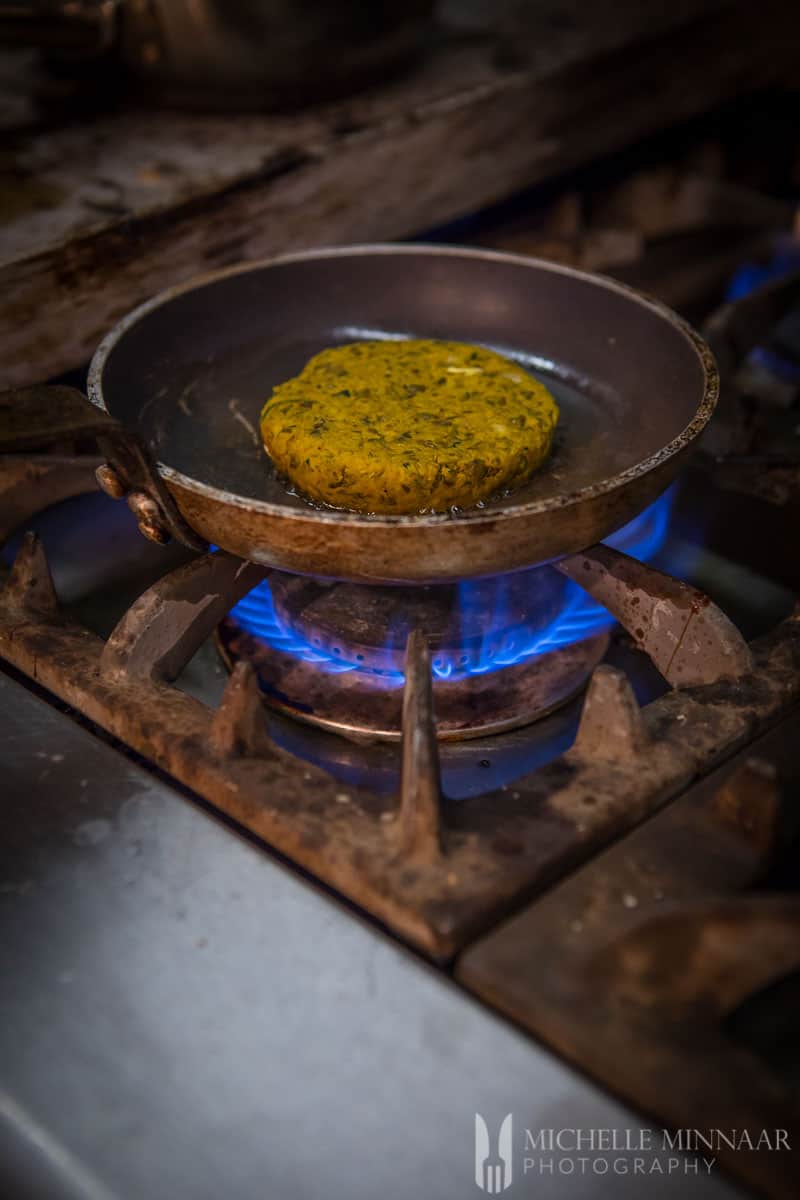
[(408, 426)]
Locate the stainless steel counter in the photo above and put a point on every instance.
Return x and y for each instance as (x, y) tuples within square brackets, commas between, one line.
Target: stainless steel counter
[(182, 1016)]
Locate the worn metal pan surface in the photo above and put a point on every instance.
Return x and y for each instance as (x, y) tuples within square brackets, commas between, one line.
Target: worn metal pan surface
[(191, 369)]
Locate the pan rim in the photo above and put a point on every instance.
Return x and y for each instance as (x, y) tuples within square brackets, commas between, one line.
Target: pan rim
[(488, 516)]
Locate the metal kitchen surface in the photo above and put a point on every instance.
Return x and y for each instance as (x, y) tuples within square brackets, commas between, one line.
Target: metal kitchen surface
[(183, 1016), (205, 972), (455, 760), (354, 854)]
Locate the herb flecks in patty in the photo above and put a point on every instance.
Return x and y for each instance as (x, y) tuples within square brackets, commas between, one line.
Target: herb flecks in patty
[(408, 426)]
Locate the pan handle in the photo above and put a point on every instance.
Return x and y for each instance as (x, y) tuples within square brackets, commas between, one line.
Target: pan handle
[(36, 417)]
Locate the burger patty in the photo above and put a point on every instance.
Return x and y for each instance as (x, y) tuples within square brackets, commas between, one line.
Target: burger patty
[(408, 426)]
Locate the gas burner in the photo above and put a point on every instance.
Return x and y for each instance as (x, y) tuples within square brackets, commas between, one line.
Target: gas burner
[(505, 651), (368, 703)]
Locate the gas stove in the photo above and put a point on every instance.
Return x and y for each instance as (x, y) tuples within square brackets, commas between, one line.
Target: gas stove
[(565, 788)]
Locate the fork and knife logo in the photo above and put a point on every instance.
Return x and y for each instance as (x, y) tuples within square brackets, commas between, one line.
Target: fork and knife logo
[(493, 1172)]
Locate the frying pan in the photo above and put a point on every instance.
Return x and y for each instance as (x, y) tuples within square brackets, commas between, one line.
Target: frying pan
[(189, 371)]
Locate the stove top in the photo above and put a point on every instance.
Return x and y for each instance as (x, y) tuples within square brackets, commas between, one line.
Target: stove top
[(616, 876)]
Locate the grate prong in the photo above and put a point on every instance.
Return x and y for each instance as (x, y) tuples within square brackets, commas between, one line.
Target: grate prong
[(29, 587), (169, 622), (420, 781), (682, 632), (749, 804), (611, 727), (239, 725)]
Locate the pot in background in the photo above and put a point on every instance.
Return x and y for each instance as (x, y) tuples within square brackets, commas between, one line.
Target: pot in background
[(224, 54)]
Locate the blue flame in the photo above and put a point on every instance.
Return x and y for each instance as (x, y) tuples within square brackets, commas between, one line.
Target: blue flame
[(256, 614), (750, 277), (578, 618)]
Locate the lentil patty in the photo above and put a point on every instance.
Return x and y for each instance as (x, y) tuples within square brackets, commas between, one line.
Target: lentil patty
[(408, 426)]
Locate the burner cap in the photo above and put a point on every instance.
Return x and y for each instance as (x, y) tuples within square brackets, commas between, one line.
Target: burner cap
[(355, 686)]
